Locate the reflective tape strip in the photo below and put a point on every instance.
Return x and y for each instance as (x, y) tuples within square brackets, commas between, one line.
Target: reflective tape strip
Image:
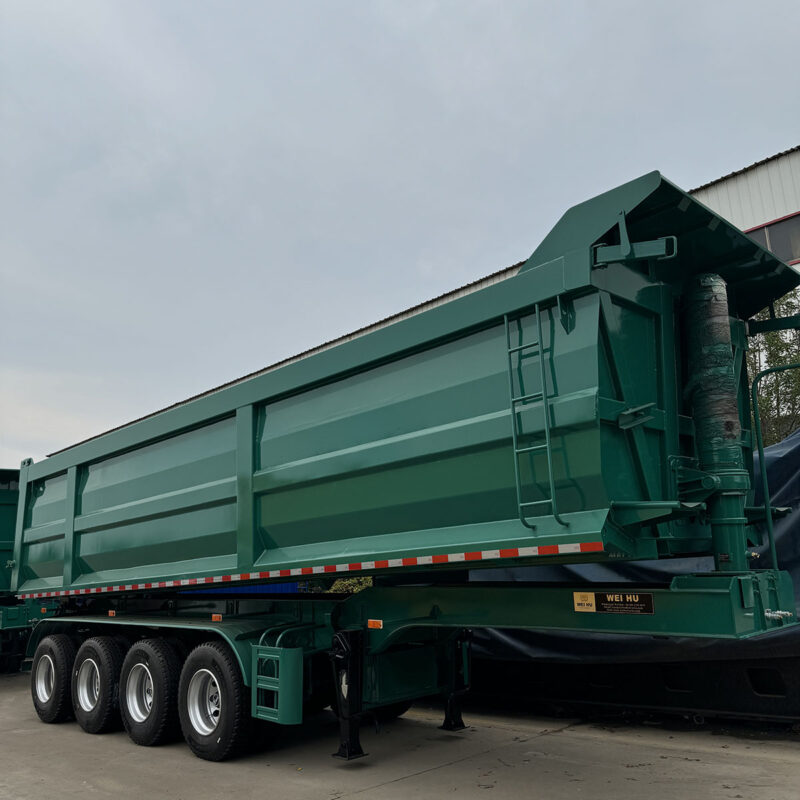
[(572, 548)]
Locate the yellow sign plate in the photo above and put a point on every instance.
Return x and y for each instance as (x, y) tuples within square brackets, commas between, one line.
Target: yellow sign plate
[(584, 601)]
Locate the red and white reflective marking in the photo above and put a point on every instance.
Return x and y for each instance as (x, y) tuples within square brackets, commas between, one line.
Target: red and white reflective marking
[(356, 566)]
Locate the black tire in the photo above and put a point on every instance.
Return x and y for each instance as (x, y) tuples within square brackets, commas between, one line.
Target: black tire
[(51, 672), (95, 684), (180, 647), (392, 711), (150, 674), (213, 703)]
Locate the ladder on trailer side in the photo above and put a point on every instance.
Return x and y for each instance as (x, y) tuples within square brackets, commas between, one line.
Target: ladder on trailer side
[(535, 350)]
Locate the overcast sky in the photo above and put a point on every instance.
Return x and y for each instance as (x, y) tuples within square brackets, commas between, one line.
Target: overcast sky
[(192, 190)]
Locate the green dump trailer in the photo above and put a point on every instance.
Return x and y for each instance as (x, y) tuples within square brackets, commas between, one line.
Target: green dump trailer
[(592, 405), (17, 617)]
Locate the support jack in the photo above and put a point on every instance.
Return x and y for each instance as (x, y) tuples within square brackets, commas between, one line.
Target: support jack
[(347, 658)]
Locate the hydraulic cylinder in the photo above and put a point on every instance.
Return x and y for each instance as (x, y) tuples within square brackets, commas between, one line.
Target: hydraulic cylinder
[(715, 409)]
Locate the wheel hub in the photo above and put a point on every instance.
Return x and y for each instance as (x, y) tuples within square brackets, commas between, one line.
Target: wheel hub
[(139, 692), (45, 678), (88, 684), (204, 702)]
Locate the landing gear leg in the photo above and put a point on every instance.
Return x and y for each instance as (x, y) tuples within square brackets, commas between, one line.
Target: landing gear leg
[(457, 665), (452, 714), (347, 657)]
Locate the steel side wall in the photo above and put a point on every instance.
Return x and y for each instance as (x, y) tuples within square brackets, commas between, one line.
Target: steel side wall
[(410, 456)]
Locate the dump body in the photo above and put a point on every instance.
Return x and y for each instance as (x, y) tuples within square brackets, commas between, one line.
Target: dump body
[(542, 417)]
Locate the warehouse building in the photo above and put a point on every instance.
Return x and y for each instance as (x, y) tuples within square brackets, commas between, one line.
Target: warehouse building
[(763, 200)]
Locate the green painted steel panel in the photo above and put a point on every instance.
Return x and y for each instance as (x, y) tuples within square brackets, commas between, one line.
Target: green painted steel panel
[(16, 618), (277, 680), (399, 444), (9, 494)]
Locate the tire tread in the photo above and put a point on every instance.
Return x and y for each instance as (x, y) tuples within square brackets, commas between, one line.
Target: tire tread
[(170, 666), (64, 651), (241, 717), (110, 653)]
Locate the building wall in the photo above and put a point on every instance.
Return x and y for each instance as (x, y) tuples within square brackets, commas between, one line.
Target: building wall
[(764, 200)]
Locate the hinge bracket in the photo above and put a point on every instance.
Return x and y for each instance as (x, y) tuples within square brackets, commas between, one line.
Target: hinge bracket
[(693, 483), (660, 249)]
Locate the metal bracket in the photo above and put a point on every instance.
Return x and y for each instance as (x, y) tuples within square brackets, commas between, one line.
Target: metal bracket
[(660, 249), (566, 310), (639, 512), (693, 483), (756, 326), (636, 415), (757, 514)]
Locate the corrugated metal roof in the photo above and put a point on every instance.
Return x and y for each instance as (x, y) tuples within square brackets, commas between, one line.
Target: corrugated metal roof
[(758, 195), (746, 169)]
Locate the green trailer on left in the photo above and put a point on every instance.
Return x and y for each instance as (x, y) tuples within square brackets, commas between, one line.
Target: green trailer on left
[(17, 618), (589, 405)]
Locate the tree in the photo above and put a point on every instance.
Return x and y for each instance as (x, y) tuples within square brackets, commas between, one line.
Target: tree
[(779, 394)]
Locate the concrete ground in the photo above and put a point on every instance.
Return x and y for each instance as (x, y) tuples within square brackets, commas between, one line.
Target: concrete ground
[(509, 754)]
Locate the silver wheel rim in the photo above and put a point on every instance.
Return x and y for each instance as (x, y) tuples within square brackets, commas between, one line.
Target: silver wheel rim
[(88, 684), (204, 702), (45, 678), (139, 692)]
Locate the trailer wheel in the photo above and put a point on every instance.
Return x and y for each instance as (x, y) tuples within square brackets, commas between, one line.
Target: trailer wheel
[(50, 678), (95, 684), (148, 692), (213, 703)]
